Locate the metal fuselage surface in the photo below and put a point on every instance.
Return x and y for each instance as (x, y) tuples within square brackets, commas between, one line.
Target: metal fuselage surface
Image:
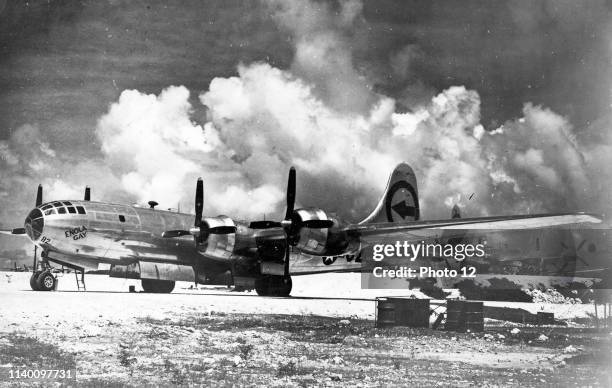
[(87, 233), (94, 235)]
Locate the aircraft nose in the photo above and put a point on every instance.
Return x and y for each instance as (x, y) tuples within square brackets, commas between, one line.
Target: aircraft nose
[(34, 224)]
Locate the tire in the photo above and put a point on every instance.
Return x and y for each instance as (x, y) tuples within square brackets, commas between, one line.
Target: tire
[(273, 286), (46, 281), (285, 286), (33, 279), (262, 286), (157, 286)]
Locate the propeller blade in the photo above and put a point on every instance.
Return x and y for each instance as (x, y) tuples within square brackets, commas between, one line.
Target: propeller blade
[(264, 224), (317, 224), (39, 196), (175, 233), (290, 194), (580, 245), (18, 231), (199, 202), (87, 196)]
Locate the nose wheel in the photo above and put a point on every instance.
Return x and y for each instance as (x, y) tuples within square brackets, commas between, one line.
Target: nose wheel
[(33, 280), (43, 281)]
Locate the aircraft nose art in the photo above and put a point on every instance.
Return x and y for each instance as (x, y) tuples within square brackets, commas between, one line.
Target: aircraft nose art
[(34, 224)]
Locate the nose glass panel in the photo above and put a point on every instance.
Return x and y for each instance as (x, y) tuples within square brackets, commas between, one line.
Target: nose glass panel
[(34, 224)]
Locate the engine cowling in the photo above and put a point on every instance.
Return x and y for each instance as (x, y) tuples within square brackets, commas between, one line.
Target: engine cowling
[(217, 237), (319, 242)]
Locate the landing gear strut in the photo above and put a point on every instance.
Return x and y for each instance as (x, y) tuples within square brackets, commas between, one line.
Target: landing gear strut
[(42, 278), (269, 285)]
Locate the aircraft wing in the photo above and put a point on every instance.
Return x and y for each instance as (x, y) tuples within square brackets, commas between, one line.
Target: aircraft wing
[(417, 231), (484, 223)]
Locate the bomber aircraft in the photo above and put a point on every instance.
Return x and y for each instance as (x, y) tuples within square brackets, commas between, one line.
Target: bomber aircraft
[(162, 247)]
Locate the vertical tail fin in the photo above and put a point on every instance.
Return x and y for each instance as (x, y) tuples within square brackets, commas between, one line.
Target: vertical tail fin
[(400, 201)]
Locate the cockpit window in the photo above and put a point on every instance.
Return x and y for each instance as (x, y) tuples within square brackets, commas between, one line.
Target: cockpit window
[(46, 207), (57, 204), (80, 209), (34, 224), (71, 210), (49, 211), (61, 210), (67, 203)]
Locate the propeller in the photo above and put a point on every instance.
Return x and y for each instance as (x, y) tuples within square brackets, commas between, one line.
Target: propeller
[(87, 196), (287, 223), (291, 224), (203, 227), (200, 229), (199, 202), (39, 196)]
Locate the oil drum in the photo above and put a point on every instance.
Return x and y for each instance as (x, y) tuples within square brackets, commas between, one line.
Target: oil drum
[(474, 316), (411, 312), (385, 316), (454, 312)]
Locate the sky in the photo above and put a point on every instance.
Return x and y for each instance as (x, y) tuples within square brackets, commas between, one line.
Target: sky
[(500, 107)]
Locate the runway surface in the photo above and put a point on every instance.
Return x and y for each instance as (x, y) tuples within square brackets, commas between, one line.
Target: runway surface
[(330, 295)]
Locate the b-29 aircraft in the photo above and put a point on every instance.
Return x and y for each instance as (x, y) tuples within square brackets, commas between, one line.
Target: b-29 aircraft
[(161, 247)]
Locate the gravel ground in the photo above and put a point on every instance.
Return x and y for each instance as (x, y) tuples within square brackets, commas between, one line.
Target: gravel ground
[(213, 337)]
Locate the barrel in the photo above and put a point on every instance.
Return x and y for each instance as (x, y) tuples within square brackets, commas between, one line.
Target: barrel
[(411, 312), (385, 313), (474, 316), (545, 318), (454, 312)]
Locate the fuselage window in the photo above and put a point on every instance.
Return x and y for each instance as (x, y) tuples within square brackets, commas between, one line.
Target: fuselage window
[(121, 218), (61, 210), (71, 210), (80, 209), (49, 212)]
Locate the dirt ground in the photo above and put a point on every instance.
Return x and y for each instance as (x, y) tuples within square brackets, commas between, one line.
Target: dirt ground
[(288, 350), (229, 339)]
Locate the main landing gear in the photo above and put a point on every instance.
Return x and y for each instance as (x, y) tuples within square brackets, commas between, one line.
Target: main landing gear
[(157, 286), (270, 285), (42, 281)]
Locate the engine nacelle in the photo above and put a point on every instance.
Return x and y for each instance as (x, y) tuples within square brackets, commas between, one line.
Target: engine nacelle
[(218, 237), (319, 242)]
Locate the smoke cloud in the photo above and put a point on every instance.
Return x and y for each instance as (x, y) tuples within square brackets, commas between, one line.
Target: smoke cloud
[(323, 116)]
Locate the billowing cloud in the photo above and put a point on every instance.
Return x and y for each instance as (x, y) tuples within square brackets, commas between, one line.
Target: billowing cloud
[(323, 116)]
